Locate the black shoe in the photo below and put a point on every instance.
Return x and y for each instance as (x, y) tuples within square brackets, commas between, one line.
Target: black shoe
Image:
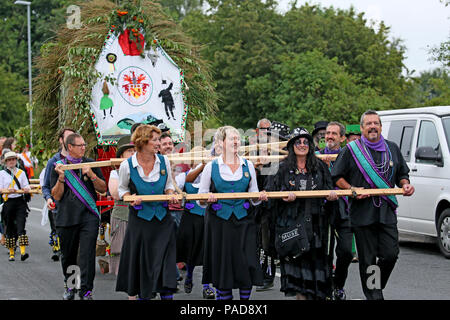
[(24, 257), (55, 256), (86, 296), (339, 294), (11, 259), (188, 286), (69, 294), (267, 285), (208, 293)]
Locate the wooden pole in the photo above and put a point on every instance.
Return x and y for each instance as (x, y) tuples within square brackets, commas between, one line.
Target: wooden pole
[(179, 159), (270, 195), (32, 191)]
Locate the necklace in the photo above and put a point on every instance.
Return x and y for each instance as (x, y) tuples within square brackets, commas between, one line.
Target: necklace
[(300, 170)]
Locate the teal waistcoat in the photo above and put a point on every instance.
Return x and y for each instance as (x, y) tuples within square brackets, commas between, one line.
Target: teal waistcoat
[(225, 208), (150, 209)]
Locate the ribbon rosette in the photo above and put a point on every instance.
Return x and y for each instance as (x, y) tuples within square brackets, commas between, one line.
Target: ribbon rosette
[(189, 206)]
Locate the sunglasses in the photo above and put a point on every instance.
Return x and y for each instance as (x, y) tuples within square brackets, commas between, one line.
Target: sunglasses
[(300, 142)]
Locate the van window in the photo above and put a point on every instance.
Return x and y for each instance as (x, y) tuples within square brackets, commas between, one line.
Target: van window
[(446, 125), (401, 132), (428, 137)]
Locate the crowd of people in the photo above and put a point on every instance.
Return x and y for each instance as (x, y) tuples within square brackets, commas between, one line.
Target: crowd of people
[(238, 242)]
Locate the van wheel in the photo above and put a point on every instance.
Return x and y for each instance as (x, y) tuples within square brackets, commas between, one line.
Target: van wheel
[(443, 232)]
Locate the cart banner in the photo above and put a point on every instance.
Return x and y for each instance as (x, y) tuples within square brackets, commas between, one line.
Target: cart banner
[(133, 89)]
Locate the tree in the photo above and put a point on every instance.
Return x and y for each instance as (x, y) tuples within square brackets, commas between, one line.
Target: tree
[(45, 16), (12, 102), (178, 9), (309, 87), (239, 41), (345, 34), (250, 45), (432, 88)]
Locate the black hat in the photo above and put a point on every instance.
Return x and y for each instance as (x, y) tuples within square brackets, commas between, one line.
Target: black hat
[(299, 133), (280, 129), (135, 126), (319, 125), (160, 125), (123, 144)]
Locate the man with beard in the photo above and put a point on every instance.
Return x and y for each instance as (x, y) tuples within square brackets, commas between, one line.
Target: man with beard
[(334, 137), (373, 162)]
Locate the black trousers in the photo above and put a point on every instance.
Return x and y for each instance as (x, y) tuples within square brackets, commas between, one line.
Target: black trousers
[(83, 237), (372, 242), (344, 255), (15, 216)]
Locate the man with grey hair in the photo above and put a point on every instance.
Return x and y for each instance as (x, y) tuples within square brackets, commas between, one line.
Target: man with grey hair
[(373, 162), (334, 137)]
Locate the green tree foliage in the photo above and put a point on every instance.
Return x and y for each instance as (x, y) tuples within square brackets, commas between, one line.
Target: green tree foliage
[(255, 52), (12, 102), (432, 88), (240, 42), (310, 87), (45, 15), (178, 9)]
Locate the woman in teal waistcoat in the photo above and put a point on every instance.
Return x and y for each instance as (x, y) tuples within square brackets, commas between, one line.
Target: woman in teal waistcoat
[(230, 247), (148, 255)]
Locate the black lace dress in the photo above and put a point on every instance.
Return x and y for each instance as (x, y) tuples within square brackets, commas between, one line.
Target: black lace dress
[(309, 274)]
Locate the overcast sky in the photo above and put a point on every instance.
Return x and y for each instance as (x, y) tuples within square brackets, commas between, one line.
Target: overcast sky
[(421, 24)]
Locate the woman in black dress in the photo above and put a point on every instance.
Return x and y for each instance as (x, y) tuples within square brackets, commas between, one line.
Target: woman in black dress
[(230, 242), (148, 255), (307, 276)]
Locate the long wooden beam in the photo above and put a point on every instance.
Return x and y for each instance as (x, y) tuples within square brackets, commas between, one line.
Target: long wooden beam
[(270, 195), (253, 147), (32, 191), (178, 159)]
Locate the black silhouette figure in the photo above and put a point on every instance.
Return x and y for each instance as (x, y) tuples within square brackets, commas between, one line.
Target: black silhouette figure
[(167, 99)]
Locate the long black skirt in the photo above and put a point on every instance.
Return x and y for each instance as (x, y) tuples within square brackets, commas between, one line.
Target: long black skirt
[(190, 239), (147, 260), (231, 252), (309, 275)]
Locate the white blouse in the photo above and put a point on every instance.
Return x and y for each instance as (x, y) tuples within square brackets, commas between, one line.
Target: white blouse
[(6, 179), (227, 175), (124, 174)]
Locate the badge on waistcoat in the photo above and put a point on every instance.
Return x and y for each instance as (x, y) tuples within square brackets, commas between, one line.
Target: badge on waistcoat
[(391, 163), (246, 174), (163, 172)]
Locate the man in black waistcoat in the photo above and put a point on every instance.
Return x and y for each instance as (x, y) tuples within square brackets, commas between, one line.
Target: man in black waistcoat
[(77, 219), (373, 219)]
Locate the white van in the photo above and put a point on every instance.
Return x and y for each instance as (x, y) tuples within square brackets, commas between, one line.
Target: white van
[(423, 135)]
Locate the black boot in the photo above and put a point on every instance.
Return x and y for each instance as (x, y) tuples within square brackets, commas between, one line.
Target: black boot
[(69, 294)]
